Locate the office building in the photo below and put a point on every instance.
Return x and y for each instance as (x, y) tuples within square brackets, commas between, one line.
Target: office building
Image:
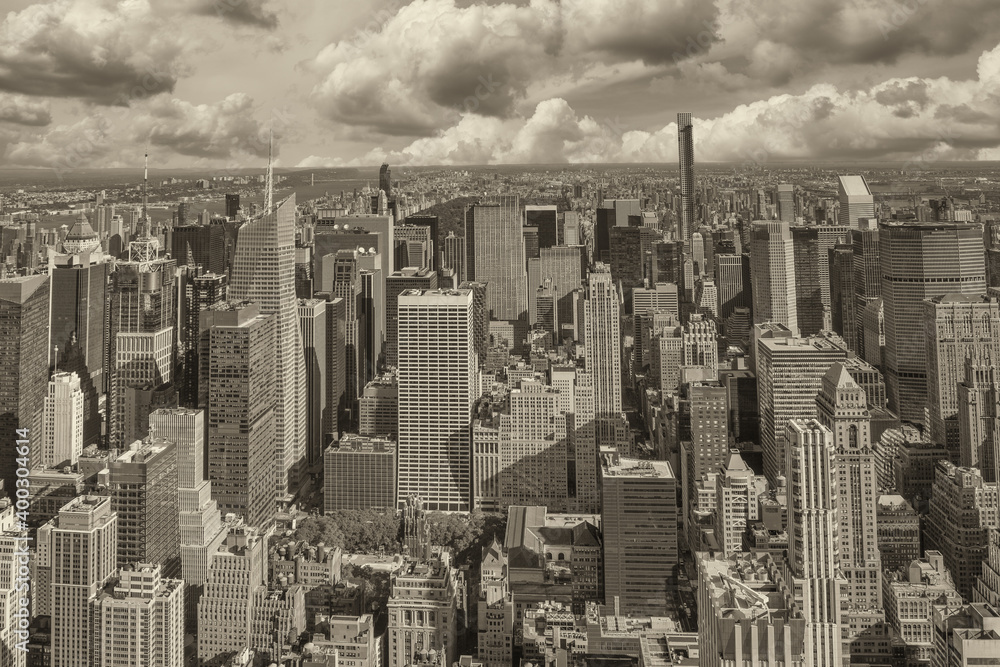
[(921, 261), (238, 352), (313, 327), (842, 407), (813, 528), (786, 202), (426, 599), (639, 501), (77, 550), (77, 311), (200, 291), (379, 408), (546, 220), (867, 280), (453, 256), (438, 375), (957, 327), (912, 596), (232, 206), (359, 473), (62, 421), (748, 614), (199, 245), (602, 316), (565, 267), (736, 503), (685, 158), (414, 246), (14, 554), (24, 370), (789, 374), (842, 294), (139, 619), (898, 532), (495, 256), (264, 272), (534, 448), (611, 213), (347, 285), (400, 281), (856, 201), (336, 371), (963, 509), (732, 283), (979, 416), (631, 255), (772, 270)]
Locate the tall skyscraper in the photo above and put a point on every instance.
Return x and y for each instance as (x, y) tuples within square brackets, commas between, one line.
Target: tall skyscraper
[(957, 327), (200, 291), (814, 537), (264, 272), (920, 261), (200, 245), (867, 278), (453, 256), (545, 219), (238, 360), (602, 316), (786, 202), (772, 270), (979, 416), (534, 448), (842, 407), (438, 387), (24, 369), (631, 257), (732, 282), (78, 551), (62, 427), (399, 282), (789, 374), (685, 157), (385, 180), (842, 301), (856, 201), (495, 256), (347, 285), (314, 327)]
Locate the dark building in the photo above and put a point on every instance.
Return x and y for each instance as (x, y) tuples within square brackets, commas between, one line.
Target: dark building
[(232, 206), (200, 245), (24, 368), (808, 292), (842, 302), (668, 262), (602, 234), (385, 180), (732, 281), (545, 220), (530, 235), (685, 159), (336, 368), (631, 254), (433, 223), (396, 284), (200, 291)]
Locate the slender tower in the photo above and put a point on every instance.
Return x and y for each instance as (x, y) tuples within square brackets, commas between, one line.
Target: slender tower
[(685, 156)]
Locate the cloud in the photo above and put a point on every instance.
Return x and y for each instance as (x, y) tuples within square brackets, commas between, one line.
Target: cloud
[(252, 13), (95, 50), (417, 70), (899, 119), (22, 110), (109, 137)]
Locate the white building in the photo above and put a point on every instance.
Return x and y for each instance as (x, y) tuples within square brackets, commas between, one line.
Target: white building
[(62, 421)]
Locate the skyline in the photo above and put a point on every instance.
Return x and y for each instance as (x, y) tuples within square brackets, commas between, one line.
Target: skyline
[(487, 82)]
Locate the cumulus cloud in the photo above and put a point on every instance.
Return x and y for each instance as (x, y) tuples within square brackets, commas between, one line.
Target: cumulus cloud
[(226, 131), (422, 67), (22, 110), (899, 119), (253, 13)]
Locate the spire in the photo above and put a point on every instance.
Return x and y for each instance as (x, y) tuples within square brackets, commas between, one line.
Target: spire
[(146, 232), (269, 185)]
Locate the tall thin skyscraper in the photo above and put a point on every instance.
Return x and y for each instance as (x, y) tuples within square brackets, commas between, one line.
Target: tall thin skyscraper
[(786, 202), (921, 261), (495, 256), (385, 180), (438, 387), (602, 317), (979, 416), (685, 157), (814, 537), (772, 270), (264, 272), (867, 278), (314, 327), (856, 201), (62, 430)]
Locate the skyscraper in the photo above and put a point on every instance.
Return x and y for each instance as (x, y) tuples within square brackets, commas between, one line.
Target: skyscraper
[(772, 270), (62, 428), (685, 157), (24, 369), (453, 256), (399, 282), (732, 281), (545, 219), (602, 316), (867, 278), (200, 245), (385, 180), (232, 206), (856, 201), (495, 256), (814, 537), (979, 416), (920, 261), (264, 272), (842, 301), (438, 386), (314, 327), (957, 327), (201, 291), (786, 202), (238, 360)]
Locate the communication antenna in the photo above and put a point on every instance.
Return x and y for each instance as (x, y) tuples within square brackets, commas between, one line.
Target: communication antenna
[(269, 184)]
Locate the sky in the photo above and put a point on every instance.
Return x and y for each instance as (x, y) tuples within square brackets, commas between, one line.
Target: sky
[(205, 83)]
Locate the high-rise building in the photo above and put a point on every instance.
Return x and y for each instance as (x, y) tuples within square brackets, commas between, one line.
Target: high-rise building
[(772, 270), (438, 372), (200, 245), (708, 448), (313, 326), (347, 285), (78, 310), (232, 206), (842, 407), (264, 272), (786, 202), (199, 291), (921, 261), (143, 486), (867, 279), (611, 213), (565, 266), (856, 201), (495, 256), (685, 158), (842, 300), (979, 417), (898, 532), (24, 368), (399, 282), (139, 619), (631, 257), (424, 611), (732, 282), (359, 473), (414, 246), (238, 351), (453, 256), (957, 327), (336, 371), (602, 316), (78, 552), (379, 408), (545, 218), (533, 448), (62, 421), (789, 374), (385, 180), (814, 537), (639, 501)]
